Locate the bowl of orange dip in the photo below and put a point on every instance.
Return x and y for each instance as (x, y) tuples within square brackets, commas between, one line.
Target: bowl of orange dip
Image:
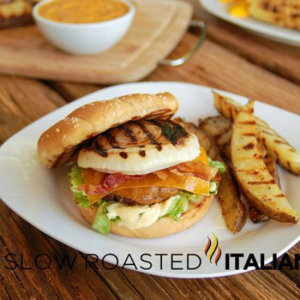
[(84, 27)]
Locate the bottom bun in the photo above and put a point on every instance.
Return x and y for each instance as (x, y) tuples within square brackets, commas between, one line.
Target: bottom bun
[(163, 227)]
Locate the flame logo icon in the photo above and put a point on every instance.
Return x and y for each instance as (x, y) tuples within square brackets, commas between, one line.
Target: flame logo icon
[(211, 249)]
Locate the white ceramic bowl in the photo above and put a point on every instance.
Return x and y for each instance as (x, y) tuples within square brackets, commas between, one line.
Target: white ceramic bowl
[(85, 39)]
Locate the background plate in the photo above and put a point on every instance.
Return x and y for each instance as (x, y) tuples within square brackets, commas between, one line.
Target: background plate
[(42, 196), (270, 31)]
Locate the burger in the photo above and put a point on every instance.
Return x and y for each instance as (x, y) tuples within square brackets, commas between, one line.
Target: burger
[(136, 172)]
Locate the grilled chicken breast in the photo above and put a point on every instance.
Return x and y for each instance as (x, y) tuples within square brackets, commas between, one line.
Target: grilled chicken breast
[(140, 147)]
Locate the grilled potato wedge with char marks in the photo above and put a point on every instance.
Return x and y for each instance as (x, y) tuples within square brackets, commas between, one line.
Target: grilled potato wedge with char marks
[(226, 106), (285, 154), (251, 172), (284, 13), (272, 167), (220, 130), (255, 215), (233, 209)]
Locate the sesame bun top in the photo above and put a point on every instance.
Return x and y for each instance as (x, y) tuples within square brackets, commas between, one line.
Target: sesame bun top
[(60, 143)]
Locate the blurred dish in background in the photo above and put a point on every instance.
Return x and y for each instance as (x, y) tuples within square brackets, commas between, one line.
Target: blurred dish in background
[(279, 12), (238, 14), (81, 12), (16, 12), (75, 26), (157, 28)]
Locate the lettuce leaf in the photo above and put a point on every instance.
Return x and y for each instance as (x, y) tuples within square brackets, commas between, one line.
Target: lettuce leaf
[(214, 187), (101, 221), (179, 205), (76, 179), (218, 164)]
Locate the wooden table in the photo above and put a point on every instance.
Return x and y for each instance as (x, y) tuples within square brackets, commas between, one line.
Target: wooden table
[(232, 60)]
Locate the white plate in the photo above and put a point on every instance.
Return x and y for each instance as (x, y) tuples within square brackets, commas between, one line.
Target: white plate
[(277, 33), (42, 196)]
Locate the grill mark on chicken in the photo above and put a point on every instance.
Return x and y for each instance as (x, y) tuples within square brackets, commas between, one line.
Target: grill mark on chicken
[(68, 154), (129, 133), (96, 147), (159, 147), (172, 131), (123, 155), (111, 139), (142, 153), (155, 132), (150, 136)]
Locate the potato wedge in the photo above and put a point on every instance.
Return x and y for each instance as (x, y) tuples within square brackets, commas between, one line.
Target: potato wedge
[(255, 215), (285, 154), (272, 167), (251, 172), (233, 209), (226, 106), (220, 130)]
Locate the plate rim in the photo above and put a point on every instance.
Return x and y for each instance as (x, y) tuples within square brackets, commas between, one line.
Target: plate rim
[(292, 39)]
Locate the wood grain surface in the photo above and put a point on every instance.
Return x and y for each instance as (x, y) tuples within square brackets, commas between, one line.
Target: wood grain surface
[(241, 63), (156, 30)]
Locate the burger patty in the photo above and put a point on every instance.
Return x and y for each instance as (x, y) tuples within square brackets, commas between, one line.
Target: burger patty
[(142, 196)]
